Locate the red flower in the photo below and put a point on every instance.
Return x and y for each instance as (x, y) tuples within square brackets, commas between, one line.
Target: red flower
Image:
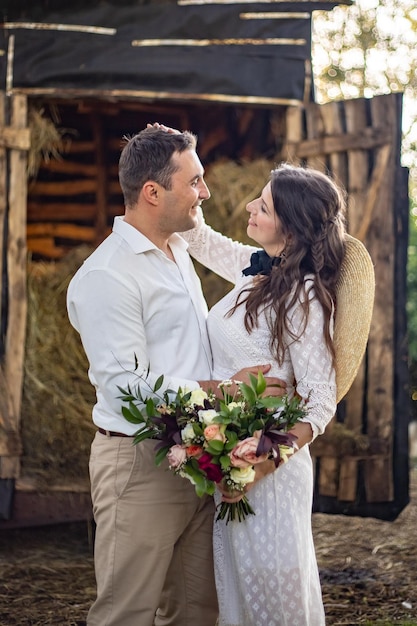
[(212, 471)]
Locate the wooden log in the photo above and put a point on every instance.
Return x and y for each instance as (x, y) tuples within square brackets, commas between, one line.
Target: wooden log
[(63, 231), (329, 476), (63, 188), (16, 263), (368, 139), (10, 444), (331, 114), (18, 138), (79, 147), (315, 130), (9, 467), (101, 178), (381, 245), (356, 178), (378, 490), (378, 175), (212, 140), (358, 163), (49, 249), (60, 211), (68, 211), (46, 247), (294, 134), (348, 480), (63, 166), (71, 188), (3, 204)]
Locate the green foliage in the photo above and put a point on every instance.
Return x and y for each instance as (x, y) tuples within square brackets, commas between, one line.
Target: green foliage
[(367, 49)]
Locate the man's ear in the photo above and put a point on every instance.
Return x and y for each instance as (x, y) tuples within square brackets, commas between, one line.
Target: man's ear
[(151, 192)]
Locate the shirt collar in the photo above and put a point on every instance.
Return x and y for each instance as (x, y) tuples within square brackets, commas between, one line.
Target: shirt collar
[(137, 241)]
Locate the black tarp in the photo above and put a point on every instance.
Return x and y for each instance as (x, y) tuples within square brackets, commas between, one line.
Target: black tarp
[(245, 52)]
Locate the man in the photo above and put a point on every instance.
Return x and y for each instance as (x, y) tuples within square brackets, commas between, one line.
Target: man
[(137, 300)]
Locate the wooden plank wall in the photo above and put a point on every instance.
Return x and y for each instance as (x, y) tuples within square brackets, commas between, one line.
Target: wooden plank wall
[(73, 200), (357, 141)]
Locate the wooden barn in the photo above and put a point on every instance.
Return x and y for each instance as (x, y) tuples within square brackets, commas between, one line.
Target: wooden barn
[(73, 83)]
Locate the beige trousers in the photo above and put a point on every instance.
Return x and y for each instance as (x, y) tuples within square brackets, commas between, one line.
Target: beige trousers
[(153, 545)]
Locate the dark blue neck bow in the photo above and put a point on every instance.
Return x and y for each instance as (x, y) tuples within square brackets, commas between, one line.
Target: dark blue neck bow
[(261, 263)]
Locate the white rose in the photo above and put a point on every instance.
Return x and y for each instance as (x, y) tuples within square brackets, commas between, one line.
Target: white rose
[(242, 476), (207, 416), (198, 396), (285, 453), (187, 434)]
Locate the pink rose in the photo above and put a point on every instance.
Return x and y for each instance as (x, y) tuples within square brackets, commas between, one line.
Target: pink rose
[(244, 453), (214, 432), (194, 450), (212, 471), (176, 456)]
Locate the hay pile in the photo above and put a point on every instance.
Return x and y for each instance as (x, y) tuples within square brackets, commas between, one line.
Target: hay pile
[(57, 396)]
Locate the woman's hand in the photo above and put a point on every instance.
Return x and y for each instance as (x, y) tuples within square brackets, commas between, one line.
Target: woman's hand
[(230, 496), (168, 129), (303, 432), (274, 386), (261, 470)]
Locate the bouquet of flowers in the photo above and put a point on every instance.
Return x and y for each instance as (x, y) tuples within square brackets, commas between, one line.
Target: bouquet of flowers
[(210, 439)]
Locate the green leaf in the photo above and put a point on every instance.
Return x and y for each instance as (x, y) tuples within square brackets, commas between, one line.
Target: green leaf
[(255, 425), (202, 484), (161, 454), (224, 462), (132, 414), (158, 383), (261, 384), (215, 447), (271, 402), (141, 435), (198, 429), (248, 393), (150, 407)]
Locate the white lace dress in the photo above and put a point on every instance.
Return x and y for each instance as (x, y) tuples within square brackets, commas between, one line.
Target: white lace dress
[(266, 569)]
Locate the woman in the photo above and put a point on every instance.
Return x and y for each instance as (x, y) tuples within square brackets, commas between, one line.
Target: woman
[(280, 311)]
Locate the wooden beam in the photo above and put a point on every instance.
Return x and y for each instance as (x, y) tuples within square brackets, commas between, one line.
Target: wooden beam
[(63, 231), (16, 138), (16, 264), (368, 139)]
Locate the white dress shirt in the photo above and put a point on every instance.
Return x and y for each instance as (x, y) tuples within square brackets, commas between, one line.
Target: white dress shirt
[(129, 300)]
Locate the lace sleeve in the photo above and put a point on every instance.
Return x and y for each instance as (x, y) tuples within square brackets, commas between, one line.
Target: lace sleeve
[(313, 370), (219, 253)]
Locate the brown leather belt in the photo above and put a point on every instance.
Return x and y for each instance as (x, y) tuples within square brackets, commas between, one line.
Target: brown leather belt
[(111, 433)]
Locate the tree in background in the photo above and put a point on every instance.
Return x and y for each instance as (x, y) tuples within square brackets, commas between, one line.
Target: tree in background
[(367, 49)]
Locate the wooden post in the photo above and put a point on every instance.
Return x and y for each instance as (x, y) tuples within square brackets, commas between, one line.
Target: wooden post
[(14, 279)]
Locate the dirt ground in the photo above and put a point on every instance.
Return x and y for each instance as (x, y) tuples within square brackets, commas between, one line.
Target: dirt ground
[(368, 570)]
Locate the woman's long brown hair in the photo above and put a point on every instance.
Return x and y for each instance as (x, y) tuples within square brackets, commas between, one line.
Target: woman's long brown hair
[(311, 210)]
